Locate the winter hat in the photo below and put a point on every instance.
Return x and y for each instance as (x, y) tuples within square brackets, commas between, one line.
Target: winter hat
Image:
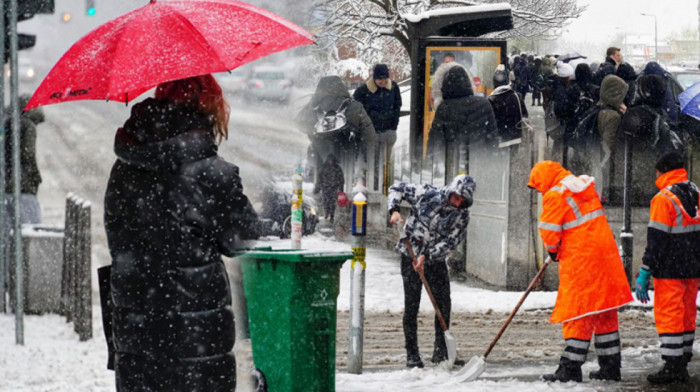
[(381, 71), (670, 161), (500, 77), (564, 70)]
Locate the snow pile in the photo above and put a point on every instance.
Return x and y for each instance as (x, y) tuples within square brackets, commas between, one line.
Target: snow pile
[(457, 11)]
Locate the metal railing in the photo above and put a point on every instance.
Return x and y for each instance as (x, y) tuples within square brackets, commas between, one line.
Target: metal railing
[(76, 288)]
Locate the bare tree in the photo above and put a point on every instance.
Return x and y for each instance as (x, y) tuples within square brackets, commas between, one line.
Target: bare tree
[(374, 28)]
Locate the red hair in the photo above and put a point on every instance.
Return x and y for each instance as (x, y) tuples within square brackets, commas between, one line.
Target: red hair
[(201, 93)]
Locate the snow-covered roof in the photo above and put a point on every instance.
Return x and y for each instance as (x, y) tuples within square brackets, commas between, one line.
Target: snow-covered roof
[(415, 18)]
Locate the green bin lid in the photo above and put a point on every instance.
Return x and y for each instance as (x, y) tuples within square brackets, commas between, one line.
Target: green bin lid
[(294, 255)]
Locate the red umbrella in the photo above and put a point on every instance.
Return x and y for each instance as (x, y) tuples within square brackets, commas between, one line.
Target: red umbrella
[(162, 41)]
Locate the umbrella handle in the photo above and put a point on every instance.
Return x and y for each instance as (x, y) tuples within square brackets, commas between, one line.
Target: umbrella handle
[(425, 284), (515, 310)]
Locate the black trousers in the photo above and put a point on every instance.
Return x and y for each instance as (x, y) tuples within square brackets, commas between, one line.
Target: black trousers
[(439, 282)]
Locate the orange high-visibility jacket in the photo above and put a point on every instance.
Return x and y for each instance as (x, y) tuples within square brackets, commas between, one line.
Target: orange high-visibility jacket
[(673, 235), (573, 224)]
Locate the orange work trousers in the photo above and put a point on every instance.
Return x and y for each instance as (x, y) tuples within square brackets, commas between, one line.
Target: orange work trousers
[(584, 327), (674, 305)]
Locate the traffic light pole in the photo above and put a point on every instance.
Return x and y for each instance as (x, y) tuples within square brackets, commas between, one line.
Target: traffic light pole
[(17, 240), (4, 270)]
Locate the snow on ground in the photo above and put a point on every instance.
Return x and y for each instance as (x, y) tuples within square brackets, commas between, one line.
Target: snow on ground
[(54, 360)]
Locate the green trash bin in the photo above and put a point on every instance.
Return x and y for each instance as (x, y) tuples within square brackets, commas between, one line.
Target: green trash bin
[(291, 297)]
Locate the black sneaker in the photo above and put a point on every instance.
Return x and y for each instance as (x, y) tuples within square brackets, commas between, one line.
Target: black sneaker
[(414, 361), (669, 374)]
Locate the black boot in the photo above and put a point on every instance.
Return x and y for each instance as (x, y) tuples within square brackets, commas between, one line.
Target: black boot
[(413, 361), (609, 370), (441, 356), (687, 357), (674, 370), (567, 371)]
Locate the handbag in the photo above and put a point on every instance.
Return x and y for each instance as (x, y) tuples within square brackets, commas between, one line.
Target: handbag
[(343, 200)]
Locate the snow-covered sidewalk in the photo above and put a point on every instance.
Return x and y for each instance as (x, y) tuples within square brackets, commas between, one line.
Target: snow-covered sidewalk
[(53, 359)]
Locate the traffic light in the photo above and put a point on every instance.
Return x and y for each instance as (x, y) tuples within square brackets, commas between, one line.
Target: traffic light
[(90, 7), (26, 9)]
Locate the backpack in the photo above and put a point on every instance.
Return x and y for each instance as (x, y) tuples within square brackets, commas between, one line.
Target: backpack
[(587, 126), (664, 140), (332, 124)]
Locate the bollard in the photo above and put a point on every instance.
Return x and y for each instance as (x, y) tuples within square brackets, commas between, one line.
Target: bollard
[(297, 211), (357, 284)]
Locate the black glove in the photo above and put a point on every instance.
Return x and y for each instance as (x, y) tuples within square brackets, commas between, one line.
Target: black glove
[(554, 256)]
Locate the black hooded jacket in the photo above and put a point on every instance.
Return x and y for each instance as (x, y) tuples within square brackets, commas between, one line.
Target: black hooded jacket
[(172, 208), (462, 115), (509, 110)]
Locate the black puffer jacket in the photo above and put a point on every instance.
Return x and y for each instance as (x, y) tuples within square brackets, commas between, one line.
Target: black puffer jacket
[(172, 208), (462, 115), (509, 109)]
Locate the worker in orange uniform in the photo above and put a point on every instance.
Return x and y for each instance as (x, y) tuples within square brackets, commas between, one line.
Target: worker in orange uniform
[(592, 280), (672, 257)]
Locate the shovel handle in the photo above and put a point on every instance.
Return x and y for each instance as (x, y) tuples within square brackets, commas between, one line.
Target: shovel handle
[(515, 310), (425, 283)]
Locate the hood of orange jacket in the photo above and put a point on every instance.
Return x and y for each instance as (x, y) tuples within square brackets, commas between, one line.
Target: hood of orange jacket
[(546, 174)]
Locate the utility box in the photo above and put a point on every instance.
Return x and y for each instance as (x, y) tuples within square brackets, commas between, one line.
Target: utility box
[(42, 261)]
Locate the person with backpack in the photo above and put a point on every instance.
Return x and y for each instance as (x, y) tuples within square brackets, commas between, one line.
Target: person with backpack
[(381, 98), (646, 126), (592, 280), (537, 81), (508, 106), (672, 258), (610, 109), (337, 124), (557, 108), (437, 224)]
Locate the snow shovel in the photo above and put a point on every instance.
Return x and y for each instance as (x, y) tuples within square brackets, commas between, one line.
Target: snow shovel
[(476, 365), (449, 339)]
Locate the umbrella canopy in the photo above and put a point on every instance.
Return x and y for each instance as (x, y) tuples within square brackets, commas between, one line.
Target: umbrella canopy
[(690, 100), (163, 41), (570, 56)]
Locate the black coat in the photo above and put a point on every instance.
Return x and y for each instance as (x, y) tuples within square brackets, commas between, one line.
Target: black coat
[(383, 105), (462, 115), (172, 208), (607, 68), (509, 109)]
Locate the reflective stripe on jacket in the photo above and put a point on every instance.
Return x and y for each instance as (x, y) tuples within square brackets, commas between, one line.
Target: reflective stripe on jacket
[(673, 234), (573, 224)]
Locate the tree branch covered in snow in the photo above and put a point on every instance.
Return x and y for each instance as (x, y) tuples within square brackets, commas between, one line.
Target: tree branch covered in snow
[(375, 30)]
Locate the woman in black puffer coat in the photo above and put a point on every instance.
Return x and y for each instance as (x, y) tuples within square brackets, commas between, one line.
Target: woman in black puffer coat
[(172, 208), (462, 115)]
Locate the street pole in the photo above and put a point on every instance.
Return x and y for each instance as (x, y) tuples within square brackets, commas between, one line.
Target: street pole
[(656, 37), (297, 209), (357, 284), (626, 236), (17, 238), (4, 270)]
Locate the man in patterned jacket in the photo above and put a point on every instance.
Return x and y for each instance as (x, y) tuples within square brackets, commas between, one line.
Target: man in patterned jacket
[(437, 224)]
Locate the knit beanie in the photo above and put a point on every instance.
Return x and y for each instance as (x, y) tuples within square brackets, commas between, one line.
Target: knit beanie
[(670, 161), (381, 71)]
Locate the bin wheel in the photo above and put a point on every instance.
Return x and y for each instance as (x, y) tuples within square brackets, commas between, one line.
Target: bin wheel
[(259, 380)]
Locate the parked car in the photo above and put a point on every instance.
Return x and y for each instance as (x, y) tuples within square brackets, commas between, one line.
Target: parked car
[(276, 212), (269, 83), (233, 82)]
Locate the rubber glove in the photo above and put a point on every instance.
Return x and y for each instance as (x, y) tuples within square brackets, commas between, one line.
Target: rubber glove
[(642, 291), (554, 256)]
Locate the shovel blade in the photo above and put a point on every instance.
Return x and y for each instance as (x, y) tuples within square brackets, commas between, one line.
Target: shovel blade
[(471, 371), (451, 349)]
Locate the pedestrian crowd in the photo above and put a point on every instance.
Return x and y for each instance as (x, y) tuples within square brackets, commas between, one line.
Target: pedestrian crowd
[(168, 280)]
